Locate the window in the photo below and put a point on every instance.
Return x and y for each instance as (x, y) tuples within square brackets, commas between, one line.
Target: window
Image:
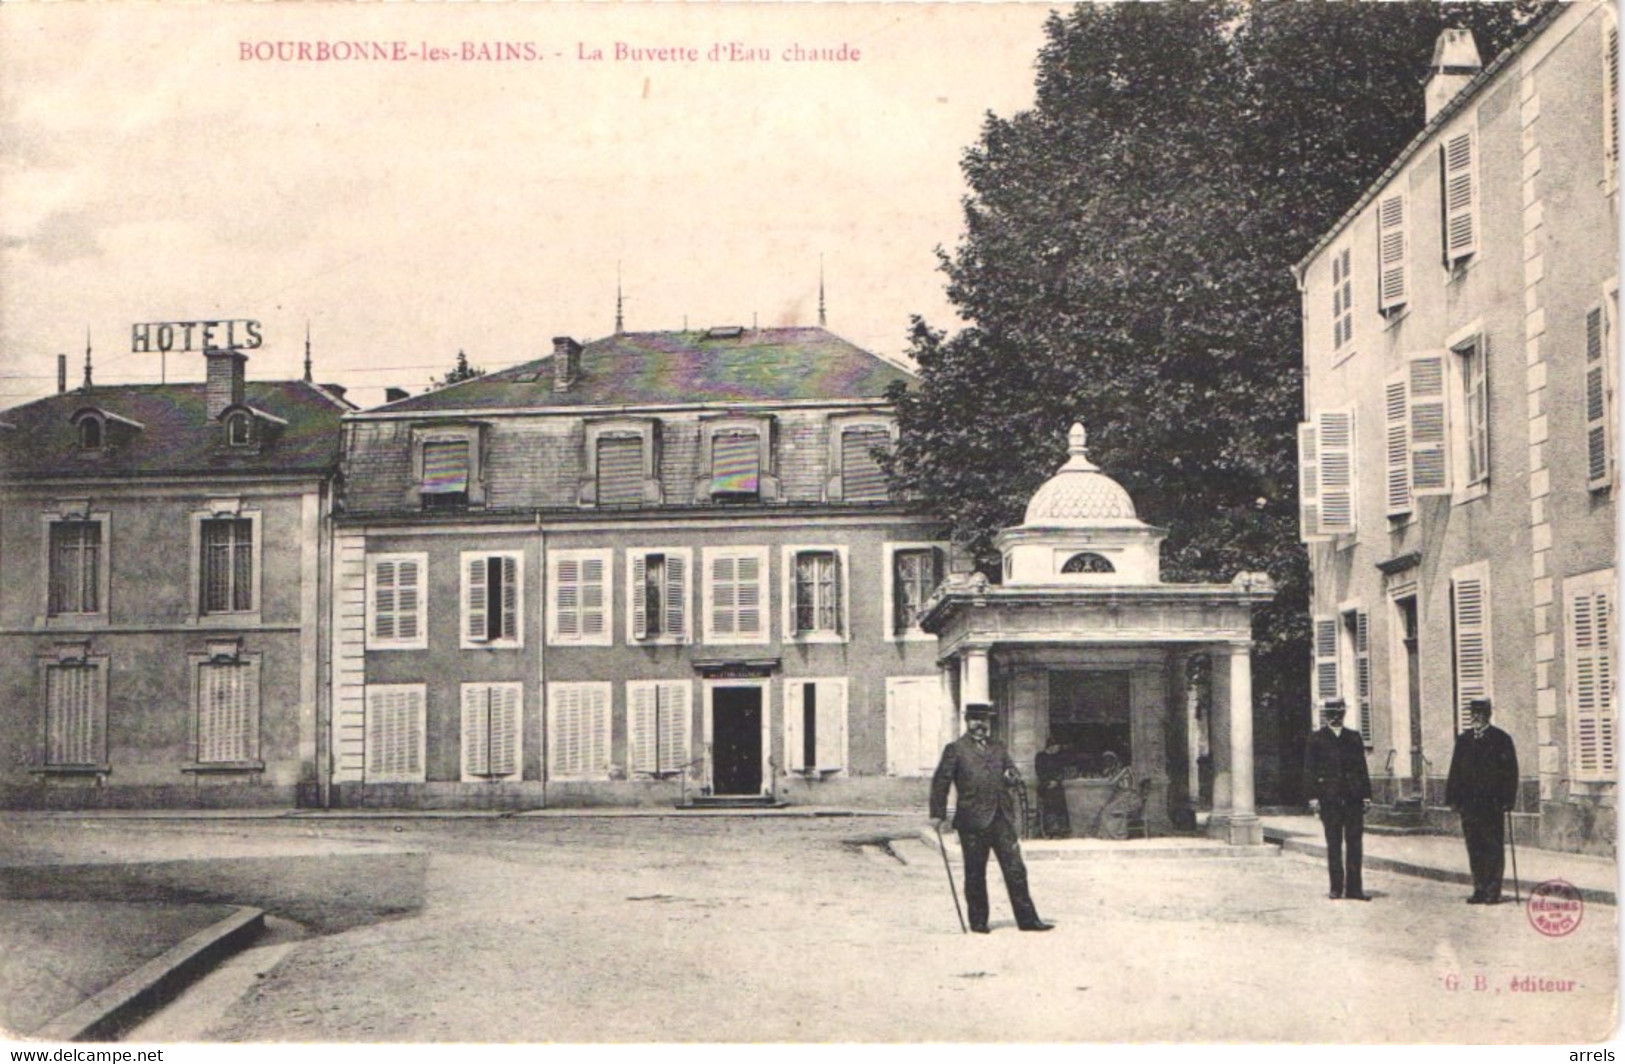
[(75, 567), (394, 733), (916, 570), (1470, 634), (1599, 394), (1327, 673), (657, 594), (395, 603), (736, 455), (735, 599), (861, 478), (815, 600), (1475, 407), (918, 724), (622, 466), (227, 703), (1428, 424), (620, 471), (1458, 190), (228, 578), (1326, 475), (1342, 303), (446, 468), (657, 726), (239, 430), (492, 602), (491, 731), (578, 730), (1589, 606), (581, 589), (735, 464), (1355, 649), (1088, 562), (90, 433), (76, 714), (815, 725), (1392, 283)]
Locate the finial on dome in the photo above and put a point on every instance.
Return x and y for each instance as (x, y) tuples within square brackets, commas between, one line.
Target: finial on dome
[(1077, 439)]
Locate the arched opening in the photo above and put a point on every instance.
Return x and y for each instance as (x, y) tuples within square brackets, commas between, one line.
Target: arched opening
[(1088, 562), (237, 430), (90, 434)]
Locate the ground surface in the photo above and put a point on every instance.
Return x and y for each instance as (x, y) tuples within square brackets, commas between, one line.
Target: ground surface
[(736, 930)]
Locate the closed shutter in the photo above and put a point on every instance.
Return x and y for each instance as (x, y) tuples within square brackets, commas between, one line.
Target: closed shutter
[(1591, 684), (491, 720), (1325, 659), (658, 726), (594, 608), (1396, 426), (1598, 402), (445, 468), (1342, 299), (227, 712), (642, 740), (831, 744), (383, 600), (476, 729), (394, 735), (1470, 606), (1336, 450), (579, 734), (567, 598), (620, 470), (1429, 424), (915, 733), (1309, 530), (735, 463), (75, 733), (505, 720), (676, 595), (1391, 252), (861, 477), (1460, 192), (1362, 670), (724, 594), (748, 596)]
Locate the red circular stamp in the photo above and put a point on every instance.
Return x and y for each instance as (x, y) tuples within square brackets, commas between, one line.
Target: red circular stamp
[(1555, 908)]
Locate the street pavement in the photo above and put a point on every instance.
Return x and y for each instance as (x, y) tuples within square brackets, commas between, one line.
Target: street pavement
[(811, 927)]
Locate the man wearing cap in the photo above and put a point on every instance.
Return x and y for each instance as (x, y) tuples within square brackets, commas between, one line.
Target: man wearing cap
[(1482, 787), (981, 772), (1339, 788)]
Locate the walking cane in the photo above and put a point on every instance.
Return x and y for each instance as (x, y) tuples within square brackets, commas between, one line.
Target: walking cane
[(1513, 842), (951, 888)]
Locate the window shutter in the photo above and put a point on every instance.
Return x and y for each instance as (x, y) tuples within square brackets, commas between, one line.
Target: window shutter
[(1460, 191), (1391, 252), (673, 731), (445, 468), (567, 598), (676, 595), (1397, 429), (620, 471), (394, 735), (74, 733), (593, 606), (1598, 401), (642, 740), (795, 702), (1309, 530), (836, 590), (1362, 669), (749, 595), (1591, 687), (408, 578), (831, 737), (504, 730), (1325, 658), (861, 477), (1429, 424), (1470, 604), (476, 625), (735, 462), (1342, 299), (595, 721), (1610, 110), (723, 573), (477, 728), (227, 713), (1336, 450), (640, 596), (384, 600)]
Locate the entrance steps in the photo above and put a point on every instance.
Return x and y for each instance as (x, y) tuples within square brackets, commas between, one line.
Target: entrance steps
[(705, 802)]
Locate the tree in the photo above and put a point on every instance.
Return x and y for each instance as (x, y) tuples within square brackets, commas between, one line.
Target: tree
[(462, 371), (1125, 261)]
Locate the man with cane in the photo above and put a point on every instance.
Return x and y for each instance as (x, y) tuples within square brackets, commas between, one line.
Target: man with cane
[(980, 771), (1482, 787)]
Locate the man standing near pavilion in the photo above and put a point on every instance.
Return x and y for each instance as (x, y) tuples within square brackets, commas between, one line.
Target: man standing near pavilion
[(1482, 787), (1339, 786), (980, 772)]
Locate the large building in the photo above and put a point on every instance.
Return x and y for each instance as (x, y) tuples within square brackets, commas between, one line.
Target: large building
[(1459, 453), (164, 550), (660, 568)]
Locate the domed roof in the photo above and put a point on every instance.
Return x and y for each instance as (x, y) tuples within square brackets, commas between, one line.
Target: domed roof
[(1079, 493)]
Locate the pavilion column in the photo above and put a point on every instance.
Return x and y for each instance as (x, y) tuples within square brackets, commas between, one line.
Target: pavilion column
[(974, 685), (1233, 686), (1218, 741)]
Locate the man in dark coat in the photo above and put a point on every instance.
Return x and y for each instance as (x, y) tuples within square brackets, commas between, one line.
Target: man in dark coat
[(1482, 787), (980, 772), (1339, 788), (1050, 767)]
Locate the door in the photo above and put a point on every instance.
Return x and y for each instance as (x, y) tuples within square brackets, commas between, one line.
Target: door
[(736, 740), (1413, 692)]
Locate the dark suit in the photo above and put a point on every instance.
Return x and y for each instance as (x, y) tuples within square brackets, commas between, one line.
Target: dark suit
[(1483, 785), (985, 817), (1335, 774)]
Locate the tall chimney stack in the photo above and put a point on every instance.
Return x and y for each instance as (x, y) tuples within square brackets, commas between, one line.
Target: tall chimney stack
[(223, 386), (566, 363), (61, 374), (1455, 63)]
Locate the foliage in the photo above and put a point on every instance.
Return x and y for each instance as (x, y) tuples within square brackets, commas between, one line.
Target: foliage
[(462, 371)]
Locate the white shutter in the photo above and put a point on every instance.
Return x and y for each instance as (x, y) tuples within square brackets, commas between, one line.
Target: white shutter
[(723, 594), (1309, 530), (638, 592), (1592, 713), (394, 734), (831, 737), (642, 741), (795, 710), (384, 600), (1396, 409), (227, 713), (74, 732), (675, 716), (1362, 670), (748, 596), (914, 724), (1610, 109), (564, 736), (594, 608), (1325, 658), (1336, 451), (1470, 609), (1460, 190), (595, 720), (475, 599), (1598, 402), (509, 625), (1429, 423), (408, 598), (676, 595), (1391, 253), (505, 706), (476, 729), (567, 599)]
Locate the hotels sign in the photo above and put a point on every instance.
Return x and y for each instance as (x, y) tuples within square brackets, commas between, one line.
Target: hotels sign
[(164, 336)]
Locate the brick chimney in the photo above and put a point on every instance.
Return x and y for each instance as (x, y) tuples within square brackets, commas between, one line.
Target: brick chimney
[(1455, 63), (566, 363), (224, 385)]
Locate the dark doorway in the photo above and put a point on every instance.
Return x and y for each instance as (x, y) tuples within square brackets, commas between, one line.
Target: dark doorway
[(1413, 693), (736, 740), (1089, 716)]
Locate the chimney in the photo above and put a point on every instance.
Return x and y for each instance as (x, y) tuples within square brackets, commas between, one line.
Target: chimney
[(337, 390), (224, 385), (395, 395), (1455, 63), (61, 374), (566, 363)]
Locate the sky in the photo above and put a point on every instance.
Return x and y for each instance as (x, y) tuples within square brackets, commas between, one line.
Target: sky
[(191, 162)]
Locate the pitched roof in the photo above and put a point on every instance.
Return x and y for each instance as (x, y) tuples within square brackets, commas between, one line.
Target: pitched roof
[(706, 366), (174, 434)]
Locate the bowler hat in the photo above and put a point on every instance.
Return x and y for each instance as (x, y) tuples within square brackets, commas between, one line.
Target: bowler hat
[(979, 709)]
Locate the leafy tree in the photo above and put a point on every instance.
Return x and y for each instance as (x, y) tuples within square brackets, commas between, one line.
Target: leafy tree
[(1126, 261), (462, 371)]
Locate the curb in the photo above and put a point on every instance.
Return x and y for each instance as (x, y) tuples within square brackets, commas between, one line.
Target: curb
[(100, 1016), (1116, 853)]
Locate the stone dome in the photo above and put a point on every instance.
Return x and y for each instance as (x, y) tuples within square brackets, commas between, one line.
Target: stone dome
[(1079, 493)]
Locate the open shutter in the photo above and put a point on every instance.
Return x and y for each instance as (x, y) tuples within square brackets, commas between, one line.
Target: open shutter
[(1610, 109), (1325, 659), (1470, 605), (476, 623), (1598, 400), (1460, 191), (642, 741), (509, 625), (1362, 670), (593, 606), (831, 738), (676, 599), (1591, 687), (1309, 484), (1429, 424), (639, 593), (1396, 426), (795, 709), (1336, 450), (477, 729), (1391, 252)]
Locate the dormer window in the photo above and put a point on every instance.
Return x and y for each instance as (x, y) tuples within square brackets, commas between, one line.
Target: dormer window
[(446, 468), (736, 460), (90, 434), (239, 430)]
